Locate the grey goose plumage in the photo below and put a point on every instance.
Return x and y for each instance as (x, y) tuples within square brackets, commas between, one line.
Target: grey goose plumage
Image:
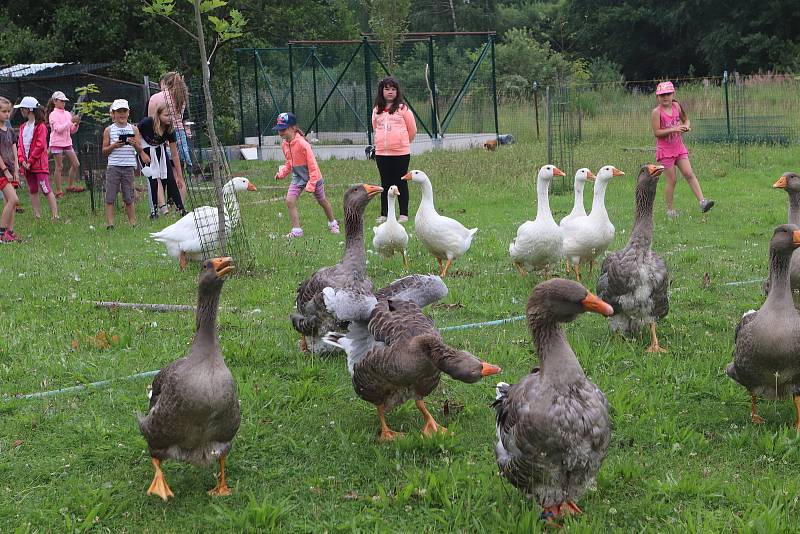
[(635, 280), (553, 427), (312, 319), (790, 182), (394, 351), (766, 354), (194, 410)]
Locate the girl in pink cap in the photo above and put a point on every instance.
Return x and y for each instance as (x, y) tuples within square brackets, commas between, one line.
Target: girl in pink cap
[(669, 121)]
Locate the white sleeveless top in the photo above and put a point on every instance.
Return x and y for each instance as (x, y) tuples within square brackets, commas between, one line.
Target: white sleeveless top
[(125, 156)]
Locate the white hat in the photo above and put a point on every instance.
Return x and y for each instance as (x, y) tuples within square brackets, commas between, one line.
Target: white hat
[(59, 95), (119, 103), (28, 102)]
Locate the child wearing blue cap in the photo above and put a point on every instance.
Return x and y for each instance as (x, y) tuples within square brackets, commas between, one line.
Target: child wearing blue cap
[(302, 165)]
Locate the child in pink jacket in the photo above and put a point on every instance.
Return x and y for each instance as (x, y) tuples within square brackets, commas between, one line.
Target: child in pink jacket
[(395, 130), (62, 125), (32, 155), (302, 165)]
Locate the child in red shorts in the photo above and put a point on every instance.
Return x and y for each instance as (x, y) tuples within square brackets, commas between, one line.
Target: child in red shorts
[(8, 174), (32, 155)]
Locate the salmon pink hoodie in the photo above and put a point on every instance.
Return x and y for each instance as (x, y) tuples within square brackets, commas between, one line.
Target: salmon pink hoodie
[(394, 132), (61, 126), (300, 163)]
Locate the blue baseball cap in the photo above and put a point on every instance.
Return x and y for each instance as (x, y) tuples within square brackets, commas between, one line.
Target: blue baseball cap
[(284, 121)]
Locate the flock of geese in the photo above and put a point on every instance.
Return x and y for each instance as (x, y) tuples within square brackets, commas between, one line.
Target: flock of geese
[(553, 427)]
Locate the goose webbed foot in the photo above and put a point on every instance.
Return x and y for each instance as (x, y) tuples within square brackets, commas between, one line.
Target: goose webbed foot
[(654, 346), (754, 417), (572, 508), (520, 269), (183, 260), (159, 485), (568, 267), (387, 434), (405, 260), (446, 266), (303, 343), (222, 488), (431, 427)]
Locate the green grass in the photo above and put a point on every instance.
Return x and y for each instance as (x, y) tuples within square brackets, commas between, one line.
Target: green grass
[(683, 456)]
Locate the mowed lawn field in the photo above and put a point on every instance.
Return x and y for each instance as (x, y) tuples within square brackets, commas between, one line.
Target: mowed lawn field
[(683, 458)]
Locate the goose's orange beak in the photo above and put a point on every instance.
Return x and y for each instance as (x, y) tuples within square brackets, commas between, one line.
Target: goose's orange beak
[(406, 177), (251, 187), (489, 369), (781, 183), (590, 176), (557, 171), (796, 238), (617, 172), (655, 170), (593, 303), (373, 190), (223, 266)]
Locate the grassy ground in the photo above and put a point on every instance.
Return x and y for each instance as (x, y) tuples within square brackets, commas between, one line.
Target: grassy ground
[(683, 458)]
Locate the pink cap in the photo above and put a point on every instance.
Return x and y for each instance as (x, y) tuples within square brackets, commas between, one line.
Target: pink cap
[(664, 88)]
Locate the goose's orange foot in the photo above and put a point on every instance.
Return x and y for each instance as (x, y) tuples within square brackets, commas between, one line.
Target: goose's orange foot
[(756, 419), (159, 485), (221, 490), (389, 435), (572, 508), (656, 348), (520, 269), (303, 344), (432, 427)]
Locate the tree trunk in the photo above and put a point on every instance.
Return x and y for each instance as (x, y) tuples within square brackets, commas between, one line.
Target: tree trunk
[(216, 152)]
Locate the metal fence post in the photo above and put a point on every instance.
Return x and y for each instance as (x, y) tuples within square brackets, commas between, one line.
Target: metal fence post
[(494, 91), (314, 80), (727, 107), (241, 99), (368, 88), (548, 99), (536, 106), (432, 82), (291, 77), (258, 105)]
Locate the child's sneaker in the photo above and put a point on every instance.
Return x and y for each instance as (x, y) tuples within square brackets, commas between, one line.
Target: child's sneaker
[(672, 214), (295, 233), (333, 226), (402, 218), (706, 205), (7, 237)]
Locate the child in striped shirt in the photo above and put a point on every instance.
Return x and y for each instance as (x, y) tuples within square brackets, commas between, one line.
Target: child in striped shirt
[(121, 143)]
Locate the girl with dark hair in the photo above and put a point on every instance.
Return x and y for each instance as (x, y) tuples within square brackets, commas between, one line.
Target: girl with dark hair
[(395, 129)]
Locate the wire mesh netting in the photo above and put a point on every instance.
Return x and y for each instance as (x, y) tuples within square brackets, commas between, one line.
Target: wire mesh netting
[(610, 123), (446, 80)]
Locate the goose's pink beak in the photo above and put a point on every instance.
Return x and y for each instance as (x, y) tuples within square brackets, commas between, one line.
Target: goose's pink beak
[(406, 176), (223, 266), (590, 176), (781, 183), (251, 187), (593, 303), (489, 369), (557, 171), (617, 172)]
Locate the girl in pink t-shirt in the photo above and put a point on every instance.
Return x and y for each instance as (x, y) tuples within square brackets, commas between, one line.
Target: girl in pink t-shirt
[(670, 122), (62, 125)]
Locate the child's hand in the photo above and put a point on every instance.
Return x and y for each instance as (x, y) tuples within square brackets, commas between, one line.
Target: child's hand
[(145, 158), (26, 165), (310, 187)]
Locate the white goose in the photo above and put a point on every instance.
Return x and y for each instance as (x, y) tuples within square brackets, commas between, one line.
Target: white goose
[(183, 239), (539, 242), (581, 177), (391, 237), (445, 238), (586, 238)]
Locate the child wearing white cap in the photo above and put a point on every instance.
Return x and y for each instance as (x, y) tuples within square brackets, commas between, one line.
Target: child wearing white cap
[(62, 125), (121, 143), (32, 155)]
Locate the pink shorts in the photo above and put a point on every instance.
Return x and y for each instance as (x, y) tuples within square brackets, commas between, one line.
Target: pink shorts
[(38, 180), (669, 161), (61, 149), (295, 190)]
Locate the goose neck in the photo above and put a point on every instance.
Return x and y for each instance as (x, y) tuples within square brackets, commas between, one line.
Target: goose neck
[(599, 198), (794, 208), (642, 233), (542, 198), (577, 204), (355, 258), (558, 362), (780, 292), (390, 214), (427, 195), (206, 342)]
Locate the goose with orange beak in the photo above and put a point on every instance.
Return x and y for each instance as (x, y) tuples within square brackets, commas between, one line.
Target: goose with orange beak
[(766, 342), (790, 182), (553, 427), (312, 319), (445, 238), (635, 280), (587, 238)]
